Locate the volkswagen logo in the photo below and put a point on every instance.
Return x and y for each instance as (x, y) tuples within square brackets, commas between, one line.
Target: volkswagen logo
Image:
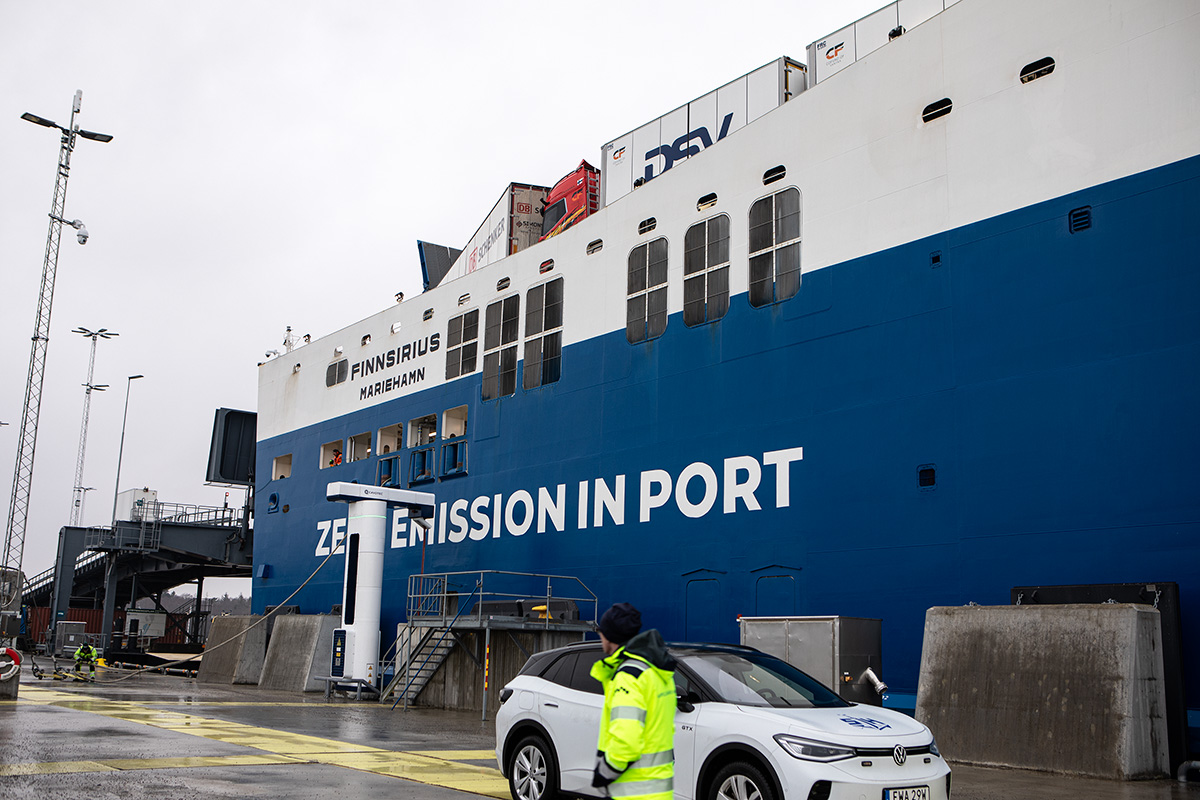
[(899, 754)]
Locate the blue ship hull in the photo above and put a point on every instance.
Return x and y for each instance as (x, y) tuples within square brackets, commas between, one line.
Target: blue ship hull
[(1048, 378)]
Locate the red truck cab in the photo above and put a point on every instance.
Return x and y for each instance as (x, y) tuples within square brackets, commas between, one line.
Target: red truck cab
[(574, 197)]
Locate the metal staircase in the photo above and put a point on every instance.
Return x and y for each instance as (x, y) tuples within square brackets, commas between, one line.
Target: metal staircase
[(427, 649)]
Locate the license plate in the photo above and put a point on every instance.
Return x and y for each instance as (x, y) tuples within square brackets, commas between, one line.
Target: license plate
[(908, 793)]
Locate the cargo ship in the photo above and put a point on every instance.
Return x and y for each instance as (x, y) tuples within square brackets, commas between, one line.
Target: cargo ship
[(907, 323)]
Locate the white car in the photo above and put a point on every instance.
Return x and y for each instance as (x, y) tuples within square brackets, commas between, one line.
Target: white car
[(748, 726)]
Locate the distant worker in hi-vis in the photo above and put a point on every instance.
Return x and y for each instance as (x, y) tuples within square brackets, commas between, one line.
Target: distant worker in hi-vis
[(85, 655), (635, 758)]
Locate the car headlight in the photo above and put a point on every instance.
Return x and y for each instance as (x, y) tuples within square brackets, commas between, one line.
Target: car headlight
[(812, 750), (933, 748)]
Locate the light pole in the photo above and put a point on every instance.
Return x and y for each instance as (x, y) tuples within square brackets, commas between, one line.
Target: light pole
[(121, 452), (83, 490), (77, 494), (18, 508)]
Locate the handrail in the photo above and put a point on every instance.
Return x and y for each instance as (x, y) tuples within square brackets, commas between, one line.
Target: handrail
[(445, 633), (429, 593)]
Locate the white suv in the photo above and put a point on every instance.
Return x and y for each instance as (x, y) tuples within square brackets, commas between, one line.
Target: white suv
[(749, 726)]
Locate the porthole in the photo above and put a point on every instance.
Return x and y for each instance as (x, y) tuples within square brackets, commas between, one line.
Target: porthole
[(927, 477), (647, 225), (1037, 69), (774, 174), (938, 109), (366, 340), (708, 201), (428, 315), (502, 284), (546, 266), (595, 247), (463, 299)]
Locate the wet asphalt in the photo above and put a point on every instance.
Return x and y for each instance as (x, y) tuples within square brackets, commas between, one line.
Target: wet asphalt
[(155, 736)]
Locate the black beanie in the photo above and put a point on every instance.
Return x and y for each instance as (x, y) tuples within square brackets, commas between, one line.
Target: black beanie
[(620, 623)]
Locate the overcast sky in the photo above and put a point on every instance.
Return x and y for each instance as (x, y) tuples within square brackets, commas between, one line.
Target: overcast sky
[(273, 164)]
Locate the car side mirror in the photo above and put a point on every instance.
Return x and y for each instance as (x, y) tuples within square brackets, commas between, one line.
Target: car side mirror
[(684, 703)]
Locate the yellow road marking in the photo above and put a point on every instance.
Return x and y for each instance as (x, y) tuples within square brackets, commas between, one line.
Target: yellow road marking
[(456, 755), (54, 768), (434, 767)]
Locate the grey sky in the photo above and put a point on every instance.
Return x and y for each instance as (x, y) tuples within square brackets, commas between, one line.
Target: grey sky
[(274, 164)]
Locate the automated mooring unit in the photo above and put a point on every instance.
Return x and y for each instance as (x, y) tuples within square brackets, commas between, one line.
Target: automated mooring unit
[(356, 643)]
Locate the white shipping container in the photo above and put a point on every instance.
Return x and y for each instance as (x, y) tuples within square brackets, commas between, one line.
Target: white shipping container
[(514, 223), (649, 151), (833, 53)]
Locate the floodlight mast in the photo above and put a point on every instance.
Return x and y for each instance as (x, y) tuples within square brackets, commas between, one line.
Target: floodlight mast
[(18, 508), (79, 491)]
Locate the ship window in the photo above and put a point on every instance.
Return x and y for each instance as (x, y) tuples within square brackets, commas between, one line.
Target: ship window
[(775, 248), (366, 340), (281, 467), (774, 174), (331, 454), (647, 225), (708, 201), (463, 299), (501, 325), (646, 294), (927, 476), (938, 109), (359, 447), (462, 344), (502, 284), (706, 271), (595, 247), (337, 372), (454, 446), (428, 315), (546, 266), (390, 439), (543, 334), (454, 422), (422, 430), (1038, 69)]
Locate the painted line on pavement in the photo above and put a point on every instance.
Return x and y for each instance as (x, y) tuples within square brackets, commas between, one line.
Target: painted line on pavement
[(437, 768)]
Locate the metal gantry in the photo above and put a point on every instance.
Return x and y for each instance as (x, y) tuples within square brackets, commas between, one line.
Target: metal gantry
[(18, 508), (78, 493)]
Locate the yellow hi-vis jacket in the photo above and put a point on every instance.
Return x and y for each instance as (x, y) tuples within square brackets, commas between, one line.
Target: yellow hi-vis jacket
[(635, 759)]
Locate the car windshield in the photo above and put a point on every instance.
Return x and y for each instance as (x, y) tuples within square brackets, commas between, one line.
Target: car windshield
[(758, 679)]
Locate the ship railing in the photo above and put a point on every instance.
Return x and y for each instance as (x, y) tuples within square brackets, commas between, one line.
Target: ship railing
[(482, 597)]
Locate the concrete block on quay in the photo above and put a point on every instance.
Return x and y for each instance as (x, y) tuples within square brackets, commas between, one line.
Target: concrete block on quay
[(300, 649), (1067, 688), (240, 661)]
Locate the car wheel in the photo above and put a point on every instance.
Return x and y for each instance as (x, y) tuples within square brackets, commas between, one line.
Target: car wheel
[(741, 780), (532, 771)]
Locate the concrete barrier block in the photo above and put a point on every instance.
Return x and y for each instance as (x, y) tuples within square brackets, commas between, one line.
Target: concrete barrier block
[(1065, 688), (239, 661), (300, 649)]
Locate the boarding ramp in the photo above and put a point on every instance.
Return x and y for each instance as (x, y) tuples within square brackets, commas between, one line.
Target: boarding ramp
[(469, 609)]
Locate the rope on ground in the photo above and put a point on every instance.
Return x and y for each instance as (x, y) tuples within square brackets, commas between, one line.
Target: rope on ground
[(332, 552)]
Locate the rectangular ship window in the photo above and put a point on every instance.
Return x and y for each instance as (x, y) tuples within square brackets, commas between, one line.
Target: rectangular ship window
[(500, 330), (360, 447), (462, 344), (543, 332), (281, 467), (706, 271), (775, 248), (646, 292), (422, 430), (390, 439), (454, 443), (331, 454)]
